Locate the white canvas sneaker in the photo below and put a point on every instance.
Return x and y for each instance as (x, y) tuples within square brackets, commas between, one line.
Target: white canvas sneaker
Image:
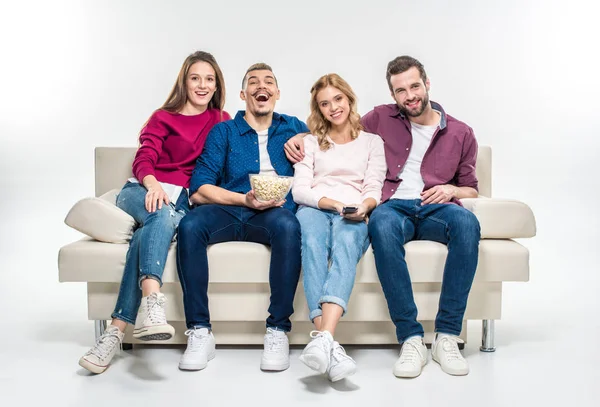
[(97, 359), (317, 353), (341, 365), (276, 355), (200, 349), (413, 356), (445, 351), (151, 321)]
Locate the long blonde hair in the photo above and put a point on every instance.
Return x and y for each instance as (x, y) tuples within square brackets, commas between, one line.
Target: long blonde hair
[(319, 126)]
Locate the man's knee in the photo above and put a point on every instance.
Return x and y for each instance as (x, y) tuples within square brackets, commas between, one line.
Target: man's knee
[(190, 224), (286, 221), (465, 223), (383, 222)]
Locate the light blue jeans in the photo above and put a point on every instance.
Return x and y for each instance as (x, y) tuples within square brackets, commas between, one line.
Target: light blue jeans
[(149, 246), (331, 248)]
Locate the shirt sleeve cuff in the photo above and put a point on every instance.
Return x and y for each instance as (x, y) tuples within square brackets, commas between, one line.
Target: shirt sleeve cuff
[(375, 195), (143, 172)]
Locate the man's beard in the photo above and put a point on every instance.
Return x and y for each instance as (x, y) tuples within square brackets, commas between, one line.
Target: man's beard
[(261, 114), (409, 113)]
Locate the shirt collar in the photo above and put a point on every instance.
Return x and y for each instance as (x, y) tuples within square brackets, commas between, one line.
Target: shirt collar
[(245, 128)]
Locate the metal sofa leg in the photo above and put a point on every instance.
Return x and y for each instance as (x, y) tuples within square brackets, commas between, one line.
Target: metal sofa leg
[(487, 336), (100, 327)]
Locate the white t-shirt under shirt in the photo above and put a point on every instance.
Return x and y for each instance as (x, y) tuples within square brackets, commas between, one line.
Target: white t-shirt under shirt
[(265, 161), (412, 181)]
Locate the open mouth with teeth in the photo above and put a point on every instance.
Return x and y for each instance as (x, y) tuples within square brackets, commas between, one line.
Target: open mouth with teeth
[(201, 94), (413, 104), (261, 97)]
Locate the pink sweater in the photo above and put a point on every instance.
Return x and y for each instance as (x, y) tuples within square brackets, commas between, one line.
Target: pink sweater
[(170, 143), (349, 173)]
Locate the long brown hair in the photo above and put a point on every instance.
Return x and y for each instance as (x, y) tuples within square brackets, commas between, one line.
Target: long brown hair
[(178, 96), (319, 126)]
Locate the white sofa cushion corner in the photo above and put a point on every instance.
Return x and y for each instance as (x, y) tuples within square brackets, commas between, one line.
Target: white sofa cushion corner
[(502, 218), (100, 219)]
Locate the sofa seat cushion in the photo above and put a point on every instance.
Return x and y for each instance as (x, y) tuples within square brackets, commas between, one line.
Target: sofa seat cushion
[(88, 260)]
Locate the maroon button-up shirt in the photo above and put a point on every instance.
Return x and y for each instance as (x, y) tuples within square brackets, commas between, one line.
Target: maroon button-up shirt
[(450, 158)]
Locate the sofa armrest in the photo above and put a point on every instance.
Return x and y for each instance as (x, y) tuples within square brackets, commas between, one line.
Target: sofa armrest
[(502, 218), (101, 219)]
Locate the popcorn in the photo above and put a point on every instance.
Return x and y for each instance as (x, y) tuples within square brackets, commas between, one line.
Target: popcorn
[(270, 187)]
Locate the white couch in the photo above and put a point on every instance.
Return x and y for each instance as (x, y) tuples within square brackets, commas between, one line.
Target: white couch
[(239, 290)]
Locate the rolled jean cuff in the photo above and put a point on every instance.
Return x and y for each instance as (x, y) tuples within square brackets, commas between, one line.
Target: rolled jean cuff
[(314, 314), (123, 318), (152, 276), (334, 300)]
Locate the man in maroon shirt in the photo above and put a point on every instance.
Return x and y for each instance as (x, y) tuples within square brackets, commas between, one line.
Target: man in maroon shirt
[(431, 165)]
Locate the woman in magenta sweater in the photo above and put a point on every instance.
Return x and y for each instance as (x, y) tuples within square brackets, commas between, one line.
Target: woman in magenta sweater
[(157, 198)]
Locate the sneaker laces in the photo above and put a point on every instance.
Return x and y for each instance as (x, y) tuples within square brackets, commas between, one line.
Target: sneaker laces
[(339, 353), (274, 343), (105, 343), (323, 342), (411, 352), (156, 308), (196, 340), (450, 347)]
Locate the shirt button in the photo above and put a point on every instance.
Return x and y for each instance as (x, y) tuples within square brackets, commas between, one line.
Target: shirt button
[(255, 142), (256, 161), (392, 190), (399, 166), (406, 148)]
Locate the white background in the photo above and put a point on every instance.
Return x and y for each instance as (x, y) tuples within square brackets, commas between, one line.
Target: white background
[(524, 74)]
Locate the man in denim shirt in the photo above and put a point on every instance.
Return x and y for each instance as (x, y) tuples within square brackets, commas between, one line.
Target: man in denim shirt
[(431, 165), (228, 210)]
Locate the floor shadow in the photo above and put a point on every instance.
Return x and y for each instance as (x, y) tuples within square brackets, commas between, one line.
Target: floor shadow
[(143, 370), (317, 384)]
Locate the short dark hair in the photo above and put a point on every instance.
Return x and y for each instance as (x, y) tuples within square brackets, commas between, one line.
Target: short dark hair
[(403, 64), (260, 66)]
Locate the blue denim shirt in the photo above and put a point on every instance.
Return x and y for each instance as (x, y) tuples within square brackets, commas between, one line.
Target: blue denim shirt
[(231, 153)]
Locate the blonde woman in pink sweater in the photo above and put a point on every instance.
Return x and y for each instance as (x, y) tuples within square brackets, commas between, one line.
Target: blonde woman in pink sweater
[(337, 184)]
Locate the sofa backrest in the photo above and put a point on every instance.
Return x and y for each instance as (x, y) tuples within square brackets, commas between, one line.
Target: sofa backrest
[(113, 167)]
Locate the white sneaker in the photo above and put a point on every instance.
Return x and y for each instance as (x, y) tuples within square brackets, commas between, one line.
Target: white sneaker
[(317, 353), (151, 321), (445, 351), (97, 359), (341, 365), (200, 349), (276, 355), (413, 356)]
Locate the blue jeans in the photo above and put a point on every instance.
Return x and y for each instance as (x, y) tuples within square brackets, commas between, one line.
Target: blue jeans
[(328, 238), (399, 221), (148, 247), (210, 224)]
